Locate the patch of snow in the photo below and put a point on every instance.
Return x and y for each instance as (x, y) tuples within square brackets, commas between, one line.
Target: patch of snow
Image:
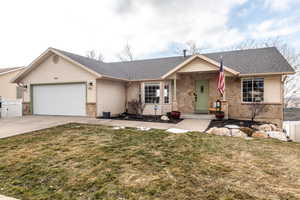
[(177, 130), (118, 127), (232, 126), (143, 128)]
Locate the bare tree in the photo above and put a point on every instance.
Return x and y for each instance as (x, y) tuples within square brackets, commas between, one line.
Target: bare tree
[(137, 106), (126, 54), (256, 109), (191, 47), (94, 55), (290, 85)]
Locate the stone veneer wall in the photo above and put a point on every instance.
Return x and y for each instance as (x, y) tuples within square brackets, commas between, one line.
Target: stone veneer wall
[(91, 109), (186, 87), (238, 110)]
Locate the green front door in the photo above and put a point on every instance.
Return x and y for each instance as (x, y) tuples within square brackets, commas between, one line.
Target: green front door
[(202, 96)]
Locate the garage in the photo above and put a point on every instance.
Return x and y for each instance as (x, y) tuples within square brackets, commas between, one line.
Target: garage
[(59, 99)]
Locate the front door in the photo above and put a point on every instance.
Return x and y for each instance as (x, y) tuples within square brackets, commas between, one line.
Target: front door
[(202, 96)]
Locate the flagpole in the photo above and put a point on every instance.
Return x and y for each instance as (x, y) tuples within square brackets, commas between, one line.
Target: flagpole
[(223, 95)]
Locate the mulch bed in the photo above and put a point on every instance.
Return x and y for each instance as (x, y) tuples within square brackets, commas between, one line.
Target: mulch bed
[(146, 118), (222, 123)]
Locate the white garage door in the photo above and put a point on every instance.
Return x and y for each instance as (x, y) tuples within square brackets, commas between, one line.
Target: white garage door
[(64, 99)]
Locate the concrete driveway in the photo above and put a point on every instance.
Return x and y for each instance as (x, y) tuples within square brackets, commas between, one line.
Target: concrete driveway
[(15, 126), (19, 125)]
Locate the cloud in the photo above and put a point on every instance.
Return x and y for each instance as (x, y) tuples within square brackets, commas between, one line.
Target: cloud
[(280, 4), (29, 27), (275, 28)]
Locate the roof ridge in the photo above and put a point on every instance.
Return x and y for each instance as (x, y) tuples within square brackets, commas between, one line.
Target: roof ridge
[(231, 51), (59, 50), (167, 57)]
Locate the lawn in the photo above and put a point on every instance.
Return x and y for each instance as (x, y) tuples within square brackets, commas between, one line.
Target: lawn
[(76, 161)]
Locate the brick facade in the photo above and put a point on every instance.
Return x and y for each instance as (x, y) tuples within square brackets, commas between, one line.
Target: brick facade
[(236, 109), (91, 109), (186, 87)]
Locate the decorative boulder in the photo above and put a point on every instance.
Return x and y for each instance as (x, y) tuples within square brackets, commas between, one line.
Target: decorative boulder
[(219, 131), (265, 127), (260, 134), (278, 135), (164, 118), (238, 133), (248, 131)]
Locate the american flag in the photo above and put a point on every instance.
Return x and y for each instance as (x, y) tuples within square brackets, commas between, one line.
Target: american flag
[(221, 80)]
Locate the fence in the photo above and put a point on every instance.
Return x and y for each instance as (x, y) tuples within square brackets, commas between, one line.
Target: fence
[(293, 130), (10, 108)]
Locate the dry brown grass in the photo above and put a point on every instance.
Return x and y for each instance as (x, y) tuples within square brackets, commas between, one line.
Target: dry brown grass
[(77, 161)]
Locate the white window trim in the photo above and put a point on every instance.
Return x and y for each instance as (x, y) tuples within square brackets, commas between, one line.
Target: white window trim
[(170, 89), (252, 78), (143, 92), (161, 87)]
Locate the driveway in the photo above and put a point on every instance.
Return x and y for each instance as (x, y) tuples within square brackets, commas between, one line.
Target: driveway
[(19, 125), (15, 126)]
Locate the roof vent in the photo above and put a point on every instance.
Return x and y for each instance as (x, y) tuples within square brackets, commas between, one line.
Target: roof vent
[(55, 59), (184, 52)]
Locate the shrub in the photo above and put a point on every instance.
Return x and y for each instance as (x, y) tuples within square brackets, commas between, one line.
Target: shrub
[(137, 106)]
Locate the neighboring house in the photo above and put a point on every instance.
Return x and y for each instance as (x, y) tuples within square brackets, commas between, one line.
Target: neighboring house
[(293, 102), (63, 83), (10, 90)]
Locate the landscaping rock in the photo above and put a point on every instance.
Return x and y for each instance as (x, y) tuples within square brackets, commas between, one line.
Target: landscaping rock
[(238, 133), (260, 134), (265, 127), (165, 118), (278, 135), (273, 127), (248, 131), (219, 131)]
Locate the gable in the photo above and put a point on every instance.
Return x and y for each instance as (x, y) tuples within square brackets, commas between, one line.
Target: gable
[(198, 65), (56, 69)]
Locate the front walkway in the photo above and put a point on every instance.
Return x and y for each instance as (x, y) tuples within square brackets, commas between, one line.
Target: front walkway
[(15, 126)]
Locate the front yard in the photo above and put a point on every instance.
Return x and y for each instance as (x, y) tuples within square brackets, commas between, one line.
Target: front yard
[(78, 161)]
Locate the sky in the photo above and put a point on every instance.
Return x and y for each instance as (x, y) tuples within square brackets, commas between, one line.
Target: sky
[(153, 28)]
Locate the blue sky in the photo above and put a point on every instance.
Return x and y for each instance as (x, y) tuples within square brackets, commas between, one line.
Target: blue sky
[(153, 28)]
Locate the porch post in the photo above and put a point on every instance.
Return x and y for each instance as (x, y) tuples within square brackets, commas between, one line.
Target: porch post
[(175, 106)]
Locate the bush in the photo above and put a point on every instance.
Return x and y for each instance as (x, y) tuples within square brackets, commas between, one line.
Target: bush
[(137, 106)]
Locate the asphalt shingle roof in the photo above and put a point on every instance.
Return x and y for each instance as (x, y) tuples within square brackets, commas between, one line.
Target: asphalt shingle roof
[(250, 61), (3, 70)]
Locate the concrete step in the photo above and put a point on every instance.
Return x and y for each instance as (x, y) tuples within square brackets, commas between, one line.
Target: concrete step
[(197, 116)]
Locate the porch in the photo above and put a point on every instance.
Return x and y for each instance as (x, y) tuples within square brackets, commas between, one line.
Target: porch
[(195, 95), (195, 86)]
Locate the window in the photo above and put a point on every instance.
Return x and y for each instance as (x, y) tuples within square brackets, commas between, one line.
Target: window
[(253, 90), (19, 92), (166, 93), (152, 92)]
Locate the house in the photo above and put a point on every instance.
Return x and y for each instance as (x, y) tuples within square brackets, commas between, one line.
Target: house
[(10, 90), (293, 102), (63, 83)]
